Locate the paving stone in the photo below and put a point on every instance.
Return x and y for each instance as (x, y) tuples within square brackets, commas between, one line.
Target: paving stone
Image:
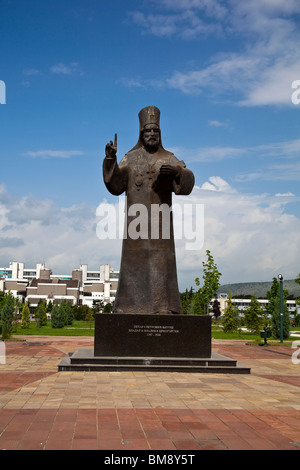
[(41, 408)]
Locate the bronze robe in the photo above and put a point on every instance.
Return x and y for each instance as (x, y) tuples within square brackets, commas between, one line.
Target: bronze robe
[(148, 276)]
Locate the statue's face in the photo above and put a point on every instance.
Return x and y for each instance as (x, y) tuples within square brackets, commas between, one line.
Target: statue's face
[(151, 137)]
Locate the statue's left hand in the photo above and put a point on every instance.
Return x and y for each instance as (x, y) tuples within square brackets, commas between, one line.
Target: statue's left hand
[(170, 170)]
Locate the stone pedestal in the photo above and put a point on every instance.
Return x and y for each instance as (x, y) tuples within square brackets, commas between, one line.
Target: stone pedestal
[(178, 343), (152, 335)]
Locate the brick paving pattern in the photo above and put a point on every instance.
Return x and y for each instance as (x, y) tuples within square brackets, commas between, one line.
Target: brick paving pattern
[(41, 408)]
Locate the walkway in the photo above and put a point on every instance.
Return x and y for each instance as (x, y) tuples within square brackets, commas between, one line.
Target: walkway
[(41, 408)]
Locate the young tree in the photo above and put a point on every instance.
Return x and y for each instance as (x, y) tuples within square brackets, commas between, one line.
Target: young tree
[(275, 320), (186, 300), (231, 320), (49, 306), (57, 317), (216, 308), (41, 314), (90, 317), (273, 309), (25, 319), (211, 277), (272, 295), (7, 315), (107, 308), (67, 311), (254, 316)]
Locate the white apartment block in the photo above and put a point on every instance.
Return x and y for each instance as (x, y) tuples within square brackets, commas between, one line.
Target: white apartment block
[(82, 287), (243, 304)]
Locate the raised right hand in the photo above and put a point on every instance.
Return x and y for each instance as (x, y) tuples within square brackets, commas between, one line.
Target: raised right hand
[(111, 149)]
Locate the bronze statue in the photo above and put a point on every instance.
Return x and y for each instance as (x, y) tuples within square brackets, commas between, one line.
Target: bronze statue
[(148, 174)]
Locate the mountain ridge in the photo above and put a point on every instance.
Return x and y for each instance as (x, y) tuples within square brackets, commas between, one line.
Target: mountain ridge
[(259, 289)]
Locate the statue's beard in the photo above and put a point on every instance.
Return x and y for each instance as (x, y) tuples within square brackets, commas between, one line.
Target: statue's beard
[(151, 145)]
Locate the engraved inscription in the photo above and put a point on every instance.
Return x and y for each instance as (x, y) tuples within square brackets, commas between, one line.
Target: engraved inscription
[(153, 330)]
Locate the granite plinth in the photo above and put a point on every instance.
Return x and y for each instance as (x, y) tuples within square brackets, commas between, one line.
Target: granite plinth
[(179, 336), (178, 343)]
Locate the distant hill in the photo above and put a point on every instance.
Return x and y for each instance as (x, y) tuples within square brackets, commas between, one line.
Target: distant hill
[(259, 289)]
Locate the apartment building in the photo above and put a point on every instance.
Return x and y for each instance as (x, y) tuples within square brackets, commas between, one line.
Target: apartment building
[(243, 304), (82, 287)]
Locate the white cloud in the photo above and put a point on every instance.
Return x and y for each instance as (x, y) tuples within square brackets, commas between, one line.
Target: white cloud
[(216, 123), (208, 154), (185, 24), (261, 73), (288, 194), (269, 157), (216, 183), (33, 230), (54, 153), (66, 69), (250, 236)]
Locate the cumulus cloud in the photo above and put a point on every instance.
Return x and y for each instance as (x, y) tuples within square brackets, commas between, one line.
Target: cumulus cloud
[(252, 237), (35, 230)]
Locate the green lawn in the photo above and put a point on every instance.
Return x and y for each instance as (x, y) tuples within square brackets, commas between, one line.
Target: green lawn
[(79, 328), (218, 333), (82, 328)]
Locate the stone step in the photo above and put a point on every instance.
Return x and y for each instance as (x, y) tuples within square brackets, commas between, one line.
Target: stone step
[(84, 360)]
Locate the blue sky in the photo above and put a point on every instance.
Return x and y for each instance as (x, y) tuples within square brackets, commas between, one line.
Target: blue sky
[(220, 71)]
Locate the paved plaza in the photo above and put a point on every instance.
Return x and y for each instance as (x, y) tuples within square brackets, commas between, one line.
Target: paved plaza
[(41, 408)]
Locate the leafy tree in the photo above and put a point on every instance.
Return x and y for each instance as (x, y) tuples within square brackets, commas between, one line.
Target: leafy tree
[(7, 315), (254, 316), (25, 319), (211, 282), (231, 320)]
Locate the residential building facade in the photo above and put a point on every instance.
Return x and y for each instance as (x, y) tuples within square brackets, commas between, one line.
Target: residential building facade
[(243, 304), (82, 287)]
